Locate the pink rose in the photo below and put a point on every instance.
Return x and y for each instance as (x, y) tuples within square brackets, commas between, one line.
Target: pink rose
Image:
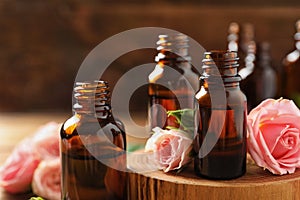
[(171, 148), (274, 140), (17, 172), (47, 178)]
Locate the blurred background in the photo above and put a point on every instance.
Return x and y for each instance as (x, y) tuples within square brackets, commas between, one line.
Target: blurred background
[(43, 42)]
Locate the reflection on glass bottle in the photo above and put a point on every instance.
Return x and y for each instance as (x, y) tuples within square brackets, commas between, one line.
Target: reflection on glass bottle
[(173, 81), (291, 71), (220, 142), (92, 147)]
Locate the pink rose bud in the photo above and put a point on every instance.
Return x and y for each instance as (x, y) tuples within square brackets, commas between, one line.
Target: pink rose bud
[(274, 136), (171, 148), (47, 178)]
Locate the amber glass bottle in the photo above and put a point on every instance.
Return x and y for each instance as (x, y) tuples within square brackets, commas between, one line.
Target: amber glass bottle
[(291, 70), (92, 147), (173, 82), (262, 82), (220, 142)]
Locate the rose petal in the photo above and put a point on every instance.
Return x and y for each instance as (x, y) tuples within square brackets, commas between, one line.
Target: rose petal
[(271, 163), (286, 119), (46, 179), (271, 134), (253, 147), (280, 106), (287, 144), (150, 144), (261, 154)]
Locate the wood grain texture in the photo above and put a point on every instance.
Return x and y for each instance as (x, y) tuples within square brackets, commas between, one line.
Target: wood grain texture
[(255, 184)]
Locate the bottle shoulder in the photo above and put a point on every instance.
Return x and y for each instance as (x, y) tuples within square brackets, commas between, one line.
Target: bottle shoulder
[(231, 95), (69, 126), (236, 97), (88, 124)]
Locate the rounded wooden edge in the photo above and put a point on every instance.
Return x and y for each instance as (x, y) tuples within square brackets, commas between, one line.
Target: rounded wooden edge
[(255, 184)]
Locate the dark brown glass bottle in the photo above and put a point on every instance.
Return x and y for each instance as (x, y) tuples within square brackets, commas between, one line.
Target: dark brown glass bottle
[(173, 82), (291, 71), (92, 147), (220, 142), (262, 82)]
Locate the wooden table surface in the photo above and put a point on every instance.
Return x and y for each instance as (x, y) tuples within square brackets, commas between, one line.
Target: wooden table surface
[(16, 126)]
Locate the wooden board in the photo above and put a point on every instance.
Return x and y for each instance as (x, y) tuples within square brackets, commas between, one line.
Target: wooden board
[(255, 184)]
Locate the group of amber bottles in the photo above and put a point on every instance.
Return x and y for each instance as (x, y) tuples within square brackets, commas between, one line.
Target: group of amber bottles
[(219, 107), (93, 142), (259, 77), (262, 79)]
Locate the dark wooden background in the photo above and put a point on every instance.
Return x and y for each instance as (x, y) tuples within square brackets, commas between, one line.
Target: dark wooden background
[(43, 43)]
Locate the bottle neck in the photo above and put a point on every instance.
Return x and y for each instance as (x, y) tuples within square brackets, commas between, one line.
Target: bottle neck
[(247, 42), (92, 98), (263, 58), (220, 67), (173, 49), (172, 52)]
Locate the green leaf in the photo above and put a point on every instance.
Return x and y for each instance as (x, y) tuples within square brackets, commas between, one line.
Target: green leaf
[(185, 118)]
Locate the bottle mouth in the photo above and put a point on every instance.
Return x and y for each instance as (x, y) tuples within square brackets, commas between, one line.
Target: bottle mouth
[(176, 44), (88, 89), (91, 96), (224, 61), (89, 86), (221, 62), (221, 56)]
